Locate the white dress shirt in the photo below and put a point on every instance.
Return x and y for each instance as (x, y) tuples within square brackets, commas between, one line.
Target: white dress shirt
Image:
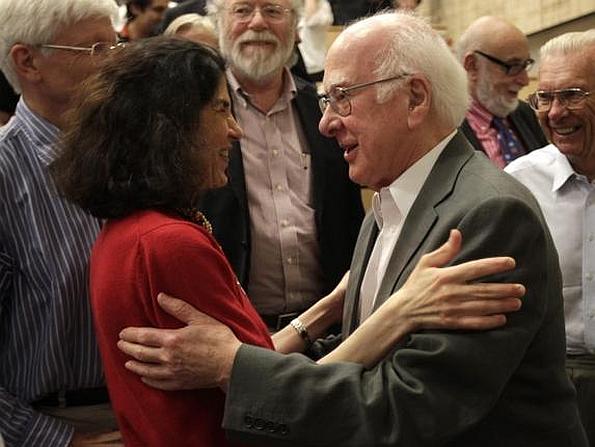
[(568, 203), (391, 206)]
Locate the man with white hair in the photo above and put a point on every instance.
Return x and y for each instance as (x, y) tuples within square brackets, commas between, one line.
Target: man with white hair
[(289, 217), (395, 96), (495, 54), (52, 390), (561, 176)]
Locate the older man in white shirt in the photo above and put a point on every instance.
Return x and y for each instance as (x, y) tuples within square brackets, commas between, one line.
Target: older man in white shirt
[(561, 176)]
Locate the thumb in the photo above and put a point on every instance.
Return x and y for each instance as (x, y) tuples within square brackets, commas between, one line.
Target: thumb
[(446, 252), (178, 308)]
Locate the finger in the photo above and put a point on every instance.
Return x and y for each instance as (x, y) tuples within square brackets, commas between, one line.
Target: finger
[(147, 336), (482, 307), (480, 323), (150, 370), (484, 291), (472, 270), (178, 308), (140, 352), (445, 253)]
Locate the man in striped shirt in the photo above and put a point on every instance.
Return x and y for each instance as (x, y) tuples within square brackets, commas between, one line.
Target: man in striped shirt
[(51, 378)]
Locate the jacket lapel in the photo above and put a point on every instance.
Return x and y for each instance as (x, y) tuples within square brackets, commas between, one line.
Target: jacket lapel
[(308, 112), (361, 255), (423, 216)]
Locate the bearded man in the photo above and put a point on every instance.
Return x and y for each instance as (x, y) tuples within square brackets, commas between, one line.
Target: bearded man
[(289, 217), (495, 54)]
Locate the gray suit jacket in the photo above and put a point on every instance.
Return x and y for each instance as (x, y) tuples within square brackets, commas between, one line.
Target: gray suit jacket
[(506, 387)]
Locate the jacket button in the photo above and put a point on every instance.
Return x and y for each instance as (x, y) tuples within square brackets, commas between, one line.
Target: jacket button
[(248, 421), (259, 424)]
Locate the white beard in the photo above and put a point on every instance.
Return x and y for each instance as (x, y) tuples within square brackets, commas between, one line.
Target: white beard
[(490, 99), (261, 63)]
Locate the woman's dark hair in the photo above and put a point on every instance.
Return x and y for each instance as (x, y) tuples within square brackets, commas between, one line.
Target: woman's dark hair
[(132, 141), (142, 4)]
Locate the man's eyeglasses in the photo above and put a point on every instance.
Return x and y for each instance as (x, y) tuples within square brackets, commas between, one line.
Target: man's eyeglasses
[(244, 12), (510, 68), (571, 98), (98, 49), (338, 97)]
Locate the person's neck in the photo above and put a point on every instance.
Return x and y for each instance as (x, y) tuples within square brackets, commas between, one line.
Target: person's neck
[(54, 113), (263, 93)]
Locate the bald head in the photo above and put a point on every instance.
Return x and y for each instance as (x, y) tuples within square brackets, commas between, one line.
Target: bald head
[(488, 34), (495, 54)]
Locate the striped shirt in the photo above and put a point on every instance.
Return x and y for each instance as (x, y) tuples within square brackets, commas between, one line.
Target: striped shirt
[(47, 342)]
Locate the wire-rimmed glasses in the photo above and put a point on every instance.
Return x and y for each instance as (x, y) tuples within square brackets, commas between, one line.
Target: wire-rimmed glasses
[(271, 12), (98, 49), (571, 98), (338, 97)]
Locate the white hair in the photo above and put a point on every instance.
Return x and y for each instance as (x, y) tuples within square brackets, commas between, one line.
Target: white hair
[(414, 47), (192, 21), (568, 43), (35, 22)]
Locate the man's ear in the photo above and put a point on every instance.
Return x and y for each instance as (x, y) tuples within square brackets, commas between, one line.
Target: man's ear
[(24, 59), (420, 101), (470, 64)]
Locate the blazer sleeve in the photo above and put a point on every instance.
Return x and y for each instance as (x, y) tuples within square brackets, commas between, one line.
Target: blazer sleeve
[(434, 386)]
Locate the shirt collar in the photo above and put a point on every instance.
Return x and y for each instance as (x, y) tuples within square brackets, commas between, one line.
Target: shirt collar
[(289, 90), (563, 171), (480, 114), (41, 132), (393, 203)]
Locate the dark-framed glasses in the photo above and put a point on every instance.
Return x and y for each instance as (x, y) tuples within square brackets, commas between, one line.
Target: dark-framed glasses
[(98, 49), (571, 98), (510, 68), (338, 97), (271, 12)]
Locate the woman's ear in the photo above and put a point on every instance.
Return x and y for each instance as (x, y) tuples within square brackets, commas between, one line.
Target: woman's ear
[(420, 100)]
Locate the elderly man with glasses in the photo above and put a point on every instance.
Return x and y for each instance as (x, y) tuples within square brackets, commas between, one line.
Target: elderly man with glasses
[(52, 390), (495, 55), (562, 178), (289, 217), (394, 98)]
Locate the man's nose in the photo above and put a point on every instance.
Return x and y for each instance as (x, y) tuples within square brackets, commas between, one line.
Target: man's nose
[(257, 20), (329, 123)]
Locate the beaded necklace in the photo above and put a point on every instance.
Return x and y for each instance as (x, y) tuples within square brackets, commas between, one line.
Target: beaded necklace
[(195, 216)]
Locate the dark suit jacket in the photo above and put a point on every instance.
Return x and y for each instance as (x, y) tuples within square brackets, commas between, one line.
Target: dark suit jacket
[(525, 125), (501, 388), (346, 11), (337, 201)]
